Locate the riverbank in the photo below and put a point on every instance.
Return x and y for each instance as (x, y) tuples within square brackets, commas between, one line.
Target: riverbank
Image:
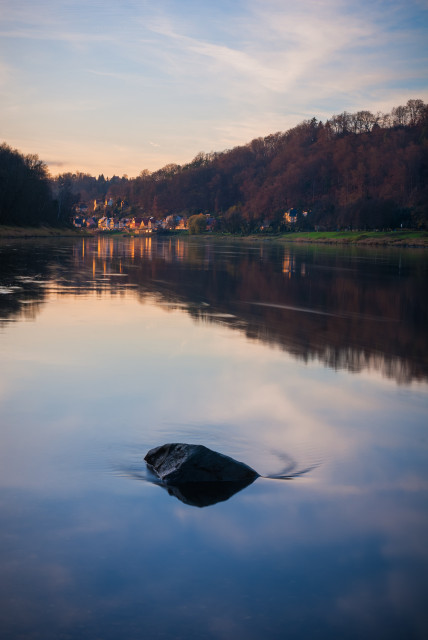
[(39, 232), (412, 239), (387, 238), (405, 238)]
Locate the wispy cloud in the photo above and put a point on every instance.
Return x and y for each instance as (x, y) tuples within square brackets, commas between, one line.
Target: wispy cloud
[(193, 77), (286, 48)]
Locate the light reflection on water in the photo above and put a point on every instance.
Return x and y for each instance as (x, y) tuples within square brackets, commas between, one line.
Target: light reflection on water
[(97, 369)]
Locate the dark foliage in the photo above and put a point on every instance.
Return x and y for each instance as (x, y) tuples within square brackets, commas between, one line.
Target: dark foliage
[(25, 193)]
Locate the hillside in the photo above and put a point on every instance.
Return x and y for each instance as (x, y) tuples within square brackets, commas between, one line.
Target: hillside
[(355, 171), (361, 170)]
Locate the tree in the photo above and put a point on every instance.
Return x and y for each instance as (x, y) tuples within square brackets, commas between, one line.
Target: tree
[(197, 224), (25, 195)]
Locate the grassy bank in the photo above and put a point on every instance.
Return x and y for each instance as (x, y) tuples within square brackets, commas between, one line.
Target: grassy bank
[(38, 232), (375, 238), (403, 238)]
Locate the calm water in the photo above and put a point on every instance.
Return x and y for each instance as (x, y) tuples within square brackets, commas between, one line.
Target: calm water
[(310, 359)]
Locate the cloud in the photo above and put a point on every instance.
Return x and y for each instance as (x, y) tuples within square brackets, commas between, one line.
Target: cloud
[(56, 163), (198, 77), (307, 51)]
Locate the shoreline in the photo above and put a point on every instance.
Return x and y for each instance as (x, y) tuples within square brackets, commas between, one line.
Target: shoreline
[(402, 239), (11, 232), (410, 239)]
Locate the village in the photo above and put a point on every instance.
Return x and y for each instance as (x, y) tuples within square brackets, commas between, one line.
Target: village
[(107, 215)]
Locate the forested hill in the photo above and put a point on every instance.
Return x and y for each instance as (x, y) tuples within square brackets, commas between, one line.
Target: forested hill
[(359, 170)]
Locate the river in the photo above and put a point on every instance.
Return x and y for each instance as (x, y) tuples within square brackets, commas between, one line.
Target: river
[(305, 361)]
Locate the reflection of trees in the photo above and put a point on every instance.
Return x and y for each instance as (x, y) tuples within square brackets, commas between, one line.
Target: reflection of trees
[(351, 309)]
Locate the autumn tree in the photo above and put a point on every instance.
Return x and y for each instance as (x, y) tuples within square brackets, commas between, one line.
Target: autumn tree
[(197, 224)]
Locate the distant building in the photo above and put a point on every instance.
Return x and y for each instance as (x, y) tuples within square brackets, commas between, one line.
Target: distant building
[(290, 216), (265, 225), (79, 222), (211, 222), (91, 222)]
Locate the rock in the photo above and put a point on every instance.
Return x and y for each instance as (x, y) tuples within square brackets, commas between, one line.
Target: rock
[(183, 464)]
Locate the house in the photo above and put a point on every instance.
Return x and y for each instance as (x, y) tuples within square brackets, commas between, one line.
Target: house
[(91, 222), (290, 216), (265, 225), (79, 222), (144, 224), (211, 222), (135, 222)]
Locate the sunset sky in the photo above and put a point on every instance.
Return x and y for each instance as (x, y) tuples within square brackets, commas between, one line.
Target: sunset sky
[(117, 87)]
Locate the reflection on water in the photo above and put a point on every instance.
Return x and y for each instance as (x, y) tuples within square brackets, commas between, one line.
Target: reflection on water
[(349, 308), (205, 494), (292, 359)]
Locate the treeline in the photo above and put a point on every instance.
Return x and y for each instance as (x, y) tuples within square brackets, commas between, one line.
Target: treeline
[(26, 195), (360, 170)]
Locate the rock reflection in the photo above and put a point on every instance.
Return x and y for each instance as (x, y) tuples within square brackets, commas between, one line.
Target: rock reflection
[(205, 494), (351, 309)]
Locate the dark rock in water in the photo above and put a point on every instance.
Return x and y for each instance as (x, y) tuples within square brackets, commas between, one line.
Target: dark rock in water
[(200, 477), (178, 464)]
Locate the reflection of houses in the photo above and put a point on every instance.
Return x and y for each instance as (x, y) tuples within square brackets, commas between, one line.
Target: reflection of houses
[(288, 265), (291, 267)]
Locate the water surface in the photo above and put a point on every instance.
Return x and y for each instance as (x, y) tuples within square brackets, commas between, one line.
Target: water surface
[(283, 357)]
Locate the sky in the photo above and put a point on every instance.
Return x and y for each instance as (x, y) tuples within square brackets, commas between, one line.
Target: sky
[(118, 87)]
